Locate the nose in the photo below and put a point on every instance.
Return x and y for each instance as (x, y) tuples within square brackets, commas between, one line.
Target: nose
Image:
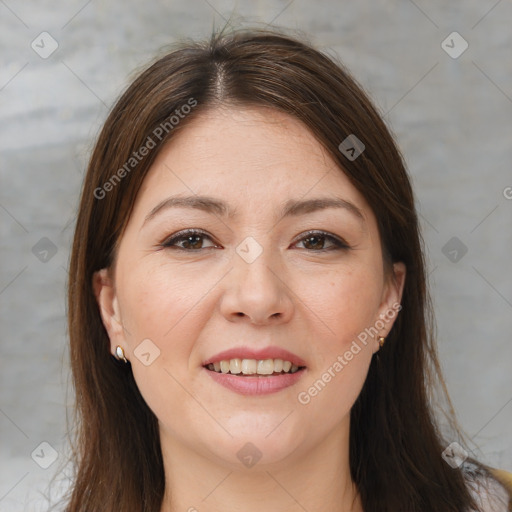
[(256, 293)]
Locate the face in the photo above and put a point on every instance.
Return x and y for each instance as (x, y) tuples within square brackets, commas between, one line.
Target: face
[(281, 261)]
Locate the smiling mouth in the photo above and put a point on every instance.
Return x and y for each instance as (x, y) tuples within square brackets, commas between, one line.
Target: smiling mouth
[(254, 367)]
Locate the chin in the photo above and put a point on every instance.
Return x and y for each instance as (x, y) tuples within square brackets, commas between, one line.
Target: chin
[(251, 447)]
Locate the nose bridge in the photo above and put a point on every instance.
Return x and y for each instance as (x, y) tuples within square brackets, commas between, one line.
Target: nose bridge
[(254, 264), (256, 288)]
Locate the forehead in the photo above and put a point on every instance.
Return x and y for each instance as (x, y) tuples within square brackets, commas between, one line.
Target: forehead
[(248, 156)]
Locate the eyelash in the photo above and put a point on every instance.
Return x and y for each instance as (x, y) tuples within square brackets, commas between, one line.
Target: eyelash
[(339, 244)]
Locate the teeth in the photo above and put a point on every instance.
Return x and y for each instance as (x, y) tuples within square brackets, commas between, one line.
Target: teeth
[(253, 366), (235, 366), (265, 367), (249, 366)]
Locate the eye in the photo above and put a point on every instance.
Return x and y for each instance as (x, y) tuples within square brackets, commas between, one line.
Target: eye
[(189, 239), (315, 241), (193, 240)]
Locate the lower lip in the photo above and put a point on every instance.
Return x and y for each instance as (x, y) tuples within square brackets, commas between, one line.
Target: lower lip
[(256, 385)]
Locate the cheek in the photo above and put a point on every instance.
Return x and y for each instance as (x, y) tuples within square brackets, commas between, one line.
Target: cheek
[(347, 303), (160, 304), (347, 309), (329, 394)]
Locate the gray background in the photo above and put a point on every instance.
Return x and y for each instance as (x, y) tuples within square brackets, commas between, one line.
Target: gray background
[(452, 117)]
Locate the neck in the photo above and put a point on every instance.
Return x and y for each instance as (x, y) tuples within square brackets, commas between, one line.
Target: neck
[(315, 481)]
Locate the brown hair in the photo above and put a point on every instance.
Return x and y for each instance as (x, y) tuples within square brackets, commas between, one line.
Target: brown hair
[(395, 445)]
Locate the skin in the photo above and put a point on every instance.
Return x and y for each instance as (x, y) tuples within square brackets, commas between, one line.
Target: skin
[(194, 304)]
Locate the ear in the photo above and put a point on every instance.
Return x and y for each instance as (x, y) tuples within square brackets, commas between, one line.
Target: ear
[(391, 298), (104, 290)]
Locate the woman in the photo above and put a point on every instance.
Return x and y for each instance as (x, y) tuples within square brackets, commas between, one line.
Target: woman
[(248, 311)]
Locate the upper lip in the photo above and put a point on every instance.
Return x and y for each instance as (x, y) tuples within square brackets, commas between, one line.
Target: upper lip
[(251, 353)]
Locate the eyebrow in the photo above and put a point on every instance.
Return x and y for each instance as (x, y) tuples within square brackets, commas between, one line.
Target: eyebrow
[(292, 207)]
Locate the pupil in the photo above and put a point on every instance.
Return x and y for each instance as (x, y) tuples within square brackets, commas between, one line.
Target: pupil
[(189, 241), (317, 238)]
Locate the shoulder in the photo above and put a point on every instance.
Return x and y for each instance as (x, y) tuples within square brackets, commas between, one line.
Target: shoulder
[(489, 494)]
